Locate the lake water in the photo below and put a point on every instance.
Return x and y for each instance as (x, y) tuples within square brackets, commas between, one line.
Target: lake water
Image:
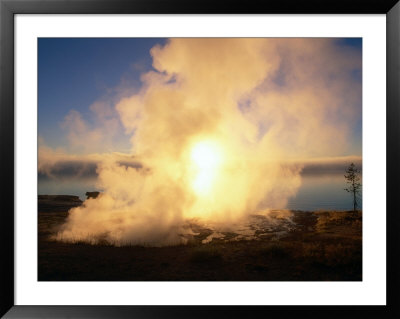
[(317, 192), (323, 192)]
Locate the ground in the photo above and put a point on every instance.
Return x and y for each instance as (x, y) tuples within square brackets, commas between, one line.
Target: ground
[(280, 246)]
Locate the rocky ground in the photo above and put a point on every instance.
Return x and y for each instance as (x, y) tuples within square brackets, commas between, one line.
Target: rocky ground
[(276, 246)]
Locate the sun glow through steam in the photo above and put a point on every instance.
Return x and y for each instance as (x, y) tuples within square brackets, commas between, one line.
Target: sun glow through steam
[(206, 157)]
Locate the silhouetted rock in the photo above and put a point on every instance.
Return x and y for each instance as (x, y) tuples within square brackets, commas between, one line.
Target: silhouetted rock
[(92, 194), (57, 203), (68, 198)]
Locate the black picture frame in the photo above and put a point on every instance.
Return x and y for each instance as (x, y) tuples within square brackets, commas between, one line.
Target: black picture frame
[(8, 8)]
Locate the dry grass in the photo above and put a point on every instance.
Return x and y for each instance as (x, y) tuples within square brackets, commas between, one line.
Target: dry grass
[(329, 219), (205, 253), (328, 247)]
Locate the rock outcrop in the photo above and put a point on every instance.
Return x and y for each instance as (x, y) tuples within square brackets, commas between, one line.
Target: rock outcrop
[(57, 203), (92, 194)]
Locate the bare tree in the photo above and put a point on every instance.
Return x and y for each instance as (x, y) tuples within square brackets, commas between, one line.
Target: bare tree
[(353, 178)]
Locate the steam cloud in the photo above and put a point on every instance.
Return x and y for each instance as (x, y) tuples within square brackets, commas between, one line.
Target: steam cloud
[(264, 102)]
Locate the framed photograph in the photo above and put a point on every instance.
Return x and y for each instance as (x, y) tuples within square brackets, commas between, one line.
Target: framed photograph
[(168, 159)]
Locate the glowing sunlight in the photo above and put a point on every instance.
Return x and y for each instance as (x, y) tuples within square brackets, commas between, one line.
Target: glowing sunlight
[(206, 157)]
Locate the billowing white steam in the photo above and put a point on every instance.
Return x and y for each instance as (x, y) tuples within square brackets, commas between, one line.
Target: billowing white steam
[(214, 127)]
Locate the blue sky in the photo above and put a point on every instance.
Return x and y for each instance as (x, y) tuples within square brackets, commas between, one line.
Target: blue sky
[(73, 73)]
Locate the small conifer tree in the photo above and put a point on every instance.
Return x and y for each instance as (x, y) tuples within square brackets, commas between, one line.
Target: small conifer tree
[(353, 179)]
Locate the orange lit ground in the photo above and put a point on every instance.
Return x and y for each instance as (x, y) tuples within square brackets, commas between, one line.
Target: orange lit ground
[(310, 246)]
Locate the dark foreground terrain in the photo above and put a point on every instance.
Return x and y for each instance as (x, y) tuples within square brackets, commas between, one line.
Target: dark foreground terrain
[(298, 246)]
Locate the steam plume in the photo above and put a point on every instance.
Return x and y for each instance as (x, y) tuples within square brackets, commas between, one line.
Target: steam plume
[(261, 102)]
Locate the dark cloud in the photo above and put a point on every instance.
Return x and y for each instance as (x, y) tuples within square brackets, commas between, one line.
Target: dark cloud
[(329, 167), (136, 165), (67, 169), (77, 169)]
